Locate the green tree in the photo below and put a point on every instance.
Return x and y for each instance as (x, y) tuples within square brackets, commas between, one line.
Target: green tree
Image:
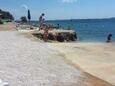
[(6, 15), (29, 16), (23, 19)]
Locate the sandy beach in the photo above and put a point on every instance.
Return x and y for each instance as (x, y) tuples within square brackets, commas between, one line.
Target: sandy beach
[(8, 26), (24, 62), (57, 42), (97, 59)]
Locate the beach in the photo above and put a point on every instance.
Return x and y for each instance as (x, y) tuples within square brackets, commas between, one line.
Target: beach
[(26, 62), (97, 59), (8, 26)]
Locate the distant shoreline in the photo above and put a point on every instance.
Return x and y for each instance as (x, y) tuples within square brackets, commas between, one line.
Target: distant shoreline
[(111, 18)]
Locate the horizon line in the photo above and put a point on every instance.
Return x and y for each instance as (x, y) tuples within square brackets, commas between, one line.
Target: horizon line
[(74, 19)]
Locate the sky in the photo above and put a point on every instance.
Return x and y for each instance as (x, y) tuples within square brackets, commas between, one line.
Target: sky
[(60, 9)]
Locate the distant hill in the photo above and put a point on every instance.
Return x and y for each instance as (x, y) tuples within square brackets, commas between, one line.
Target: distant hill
[(5, 15)]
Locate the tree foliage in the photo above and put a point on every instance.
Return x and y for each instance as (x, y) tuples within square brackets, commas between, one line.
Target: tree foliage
[(6, 15), (29, 15), (23, 19)]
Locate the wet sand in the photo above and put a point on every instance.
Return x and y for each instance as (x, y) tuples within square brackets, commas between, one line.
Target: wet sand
[(97, 59)]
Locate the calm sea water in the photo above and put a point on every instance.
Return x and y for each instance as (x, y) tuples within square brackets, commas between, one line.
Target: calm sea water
[(89, 30)]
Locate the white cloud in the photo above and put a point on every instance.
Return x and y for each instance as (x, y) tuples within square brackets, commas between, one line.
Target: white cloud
[(69, 1), (24, 6)]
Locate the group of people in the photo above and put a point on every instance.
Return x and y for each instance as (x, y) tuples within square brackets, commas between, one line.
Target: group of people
[(43, 26)]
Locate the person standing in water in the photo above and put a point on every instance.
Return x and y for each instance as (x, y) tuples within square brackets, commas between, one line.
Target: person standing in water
[(109, 38), (41, 21)]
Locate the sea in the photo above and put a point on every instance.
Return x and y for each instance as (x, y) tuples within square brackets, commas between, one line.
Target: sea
[(88, 30)]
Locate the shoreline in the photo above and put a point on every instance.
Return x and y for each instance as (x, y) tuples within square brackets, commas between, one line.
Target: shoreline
[(94, 58), (53, 56), (61, 47)]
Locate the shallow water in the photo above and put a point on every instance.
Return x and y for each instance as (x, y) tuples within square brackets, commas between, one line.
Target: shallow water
[(89, 30)]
